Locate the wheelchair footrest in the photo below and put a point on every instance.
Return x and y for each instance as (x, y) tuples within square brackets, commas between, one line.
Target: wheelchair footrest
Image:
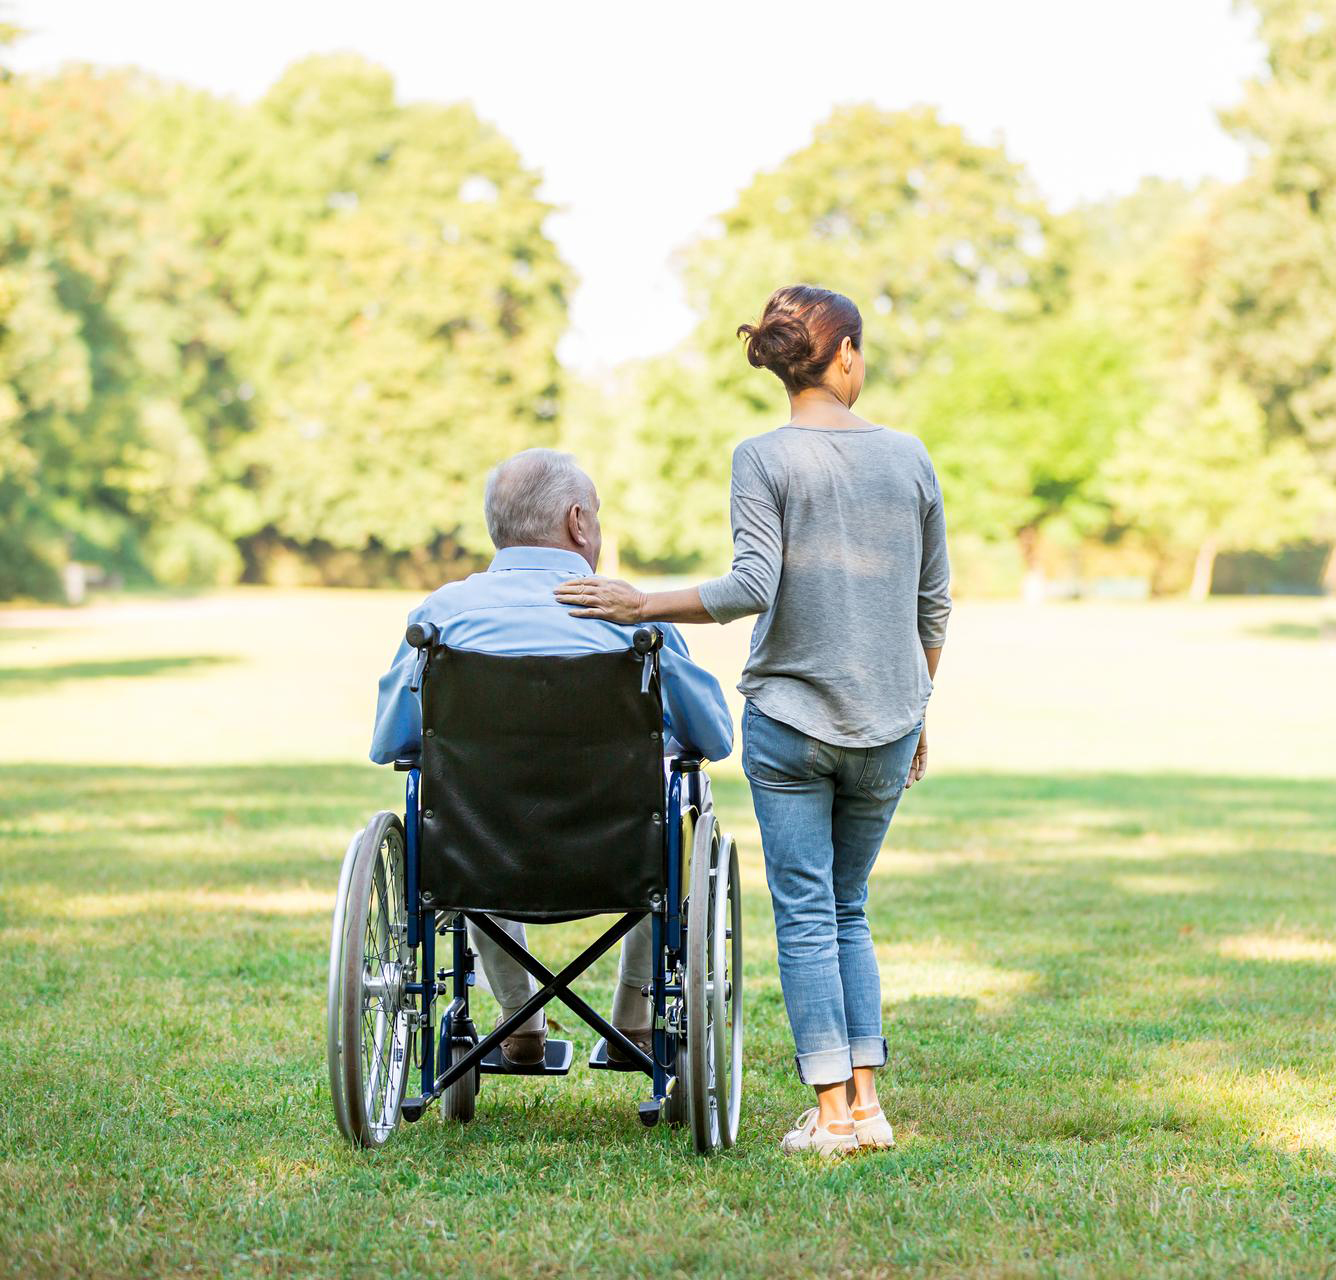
[(556, 1062), (412, 1109), (599, 1060)]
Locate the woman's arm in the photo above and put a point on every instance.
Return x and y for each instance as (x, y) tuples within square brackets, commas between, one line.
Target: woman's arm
[(934, 607), (932, 656), (934, 592), (618, 601)]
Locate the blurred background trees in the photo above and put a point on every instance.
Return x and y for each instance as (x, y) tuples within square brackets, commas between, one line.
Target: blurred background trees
[(284, 342), (114, 345)]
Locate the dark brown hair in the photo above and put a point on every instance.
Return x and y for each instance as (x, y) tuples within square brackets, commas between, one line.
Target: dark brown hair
[(800, 331)]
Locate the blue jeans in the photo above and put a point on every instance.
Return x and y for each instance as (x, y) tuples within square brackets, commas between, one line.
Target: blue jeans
[(824, 812)]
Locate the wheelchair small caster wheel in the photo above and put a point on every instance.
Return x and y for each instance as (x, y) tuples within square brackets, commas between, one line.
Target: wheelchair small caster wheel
[(675, 1105), (649, 1113), (459, 1101)]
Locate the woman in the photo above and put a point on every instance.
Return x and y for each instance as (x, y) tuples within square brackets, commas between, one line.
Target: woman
[(840, 546)]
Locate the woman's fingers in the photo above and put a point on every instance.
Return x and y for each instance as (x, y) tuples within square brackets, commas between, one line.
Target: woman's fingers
[(585, 592), (918, 764), (589, 593), (608, 598), (577, 590)]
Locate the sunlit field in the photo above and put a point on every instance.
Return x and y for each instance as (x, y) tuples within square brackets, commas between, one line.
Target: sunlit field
[(1107, 925)]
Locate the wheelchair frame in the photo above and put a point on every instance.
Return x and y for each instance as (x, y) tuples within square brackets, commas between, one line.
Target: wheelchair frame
[(695, 1068)]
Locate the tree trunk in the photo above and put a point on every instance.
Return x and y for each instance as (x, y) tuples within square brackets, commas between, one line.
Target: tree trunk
[(1204, 569), (1329, 571), (1034, 587)]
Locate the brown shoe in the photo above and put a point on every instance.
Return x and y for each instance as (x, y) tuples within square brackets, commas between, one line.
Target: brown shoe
[(642, 1039), (525, 1048)]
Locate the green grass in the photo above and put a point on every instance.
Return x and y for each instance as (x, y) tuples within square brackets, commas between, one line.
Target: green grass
[(1111, 1004)]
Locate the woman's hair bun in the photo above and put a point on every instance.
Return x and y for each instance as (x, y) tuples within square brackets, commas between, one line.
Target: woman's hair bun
[(799, 333), (779, 342)]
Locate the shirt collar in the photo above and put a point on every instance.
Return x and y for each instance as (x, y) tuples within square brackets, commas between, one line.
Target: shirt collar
[(551, 558)]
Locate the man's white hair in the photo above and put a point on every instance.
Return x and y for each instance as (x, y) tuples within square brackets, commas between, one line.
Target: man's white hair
[(529, 496)]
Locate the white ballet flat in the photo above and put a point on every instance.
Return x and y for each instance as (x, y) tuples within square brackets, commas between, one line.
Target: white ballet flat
[(809, 1136), (873, 1129)]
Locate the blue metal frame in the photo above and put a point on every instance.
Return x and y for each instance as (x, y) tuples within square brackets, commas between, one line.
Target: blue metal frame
[(438, 1072)]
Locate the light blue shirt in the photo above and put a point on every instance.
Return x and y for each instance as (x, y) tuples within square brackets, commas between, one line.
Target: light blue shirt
[(510, 610)]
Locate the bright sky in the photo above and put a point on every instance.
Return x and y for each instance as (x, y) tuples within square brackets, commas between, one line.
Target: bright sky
[(646, 120)]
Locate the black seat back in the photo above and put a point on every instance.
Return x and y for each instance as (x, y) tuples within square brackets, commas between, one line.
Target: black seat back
[(542, 784)]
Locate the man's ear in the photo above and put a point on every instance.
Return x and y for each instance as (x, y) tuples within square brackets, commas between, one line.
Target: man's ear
[(573, 528)]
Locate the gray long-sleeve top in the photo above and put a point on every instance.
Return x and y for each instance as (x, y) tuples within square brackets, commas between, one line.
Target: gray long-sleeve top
[(839, 543)]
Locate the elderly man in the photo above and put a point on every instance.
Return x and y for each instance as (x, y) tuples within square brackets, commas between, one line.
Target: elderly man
[(542, 515)]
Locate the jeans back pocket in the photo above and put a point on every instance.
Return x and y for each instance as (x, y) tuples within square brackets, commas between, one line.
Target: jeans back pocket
[(775, 752), (886, 768)]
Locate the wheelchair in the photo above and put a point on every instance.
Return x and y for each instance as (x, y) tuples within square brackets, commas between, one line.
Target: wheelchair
[(540, 794)]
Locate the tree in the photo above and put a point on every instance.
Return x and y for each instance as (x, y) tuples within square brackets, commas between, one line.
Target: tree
[(1139, 260), (1021, 419), (10, 33), (923, 228), (1266, 307), (920, 226), (112, 352), (679, 431), (397, 301), (1199, 471)]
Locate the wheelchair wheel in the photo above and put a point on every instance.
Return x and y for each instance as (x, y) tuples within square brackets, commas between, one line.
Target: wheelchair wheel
[(333, 999), (369, 1038), (726, 991), (714, 1026)]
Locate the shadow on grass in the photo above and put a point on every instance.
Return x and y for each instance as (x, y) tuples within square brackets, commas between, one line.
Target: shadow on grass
[(19, 680)]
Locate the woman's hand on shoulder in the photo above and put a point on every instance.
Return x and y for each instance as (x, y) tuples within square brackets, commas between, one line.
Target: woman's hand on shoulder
[(608, 598)]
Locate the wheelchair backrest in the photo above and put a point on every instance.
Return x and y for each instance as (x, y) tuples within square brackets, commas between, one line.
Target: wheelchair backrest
[(542, 784)]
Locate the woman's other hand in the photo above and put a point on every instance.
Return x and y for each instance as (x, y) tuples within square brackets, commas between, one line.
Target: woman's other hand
[(608, 598), (918, 766)]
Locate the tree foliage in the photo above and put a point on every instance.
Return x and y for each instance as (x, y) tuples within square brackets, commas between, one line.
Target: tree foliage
[(897, 209), (1022, 419), (316, 320), (398, 303), (298, 332), (1198, 470), (113, 349), (1267, 305)]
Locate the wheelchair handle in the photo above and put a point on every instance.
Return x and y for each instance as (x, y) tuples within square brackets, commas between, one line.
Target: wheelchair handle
[(421, 635), (647, 640)]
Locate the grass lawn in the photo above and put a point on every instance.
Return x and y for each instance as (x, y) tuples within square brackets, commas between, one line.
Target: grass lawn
[(1107, 926)]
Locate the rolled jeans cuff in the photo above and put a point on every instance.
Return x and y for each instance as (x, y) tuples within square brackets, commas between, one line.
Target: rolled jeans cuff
[(867, 1051), (826, 1066)]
